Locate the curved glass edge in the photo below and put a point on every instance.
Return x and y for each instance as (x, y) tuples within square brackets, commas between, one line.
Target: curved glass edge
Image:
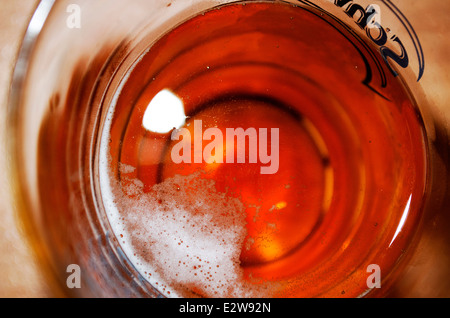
[(21, 208)]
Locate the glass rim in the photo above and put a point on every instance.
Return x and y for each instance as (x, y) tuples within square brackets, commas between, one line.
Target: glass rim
[(22, 64)]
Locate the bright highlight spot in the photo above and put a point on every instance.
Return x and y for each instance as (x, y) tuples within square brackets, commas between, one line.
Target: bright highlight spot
[(164, 113), (280, 205), (270, 250), (402, 220)]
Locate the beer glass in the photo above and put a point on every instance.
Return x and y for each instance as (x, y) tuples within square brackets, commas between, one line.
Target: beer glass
[(219, 148)]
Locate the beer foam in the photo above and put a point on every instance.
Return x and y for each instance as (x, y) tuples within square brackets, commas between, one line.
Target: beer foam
[(186, 235), (183, 236)]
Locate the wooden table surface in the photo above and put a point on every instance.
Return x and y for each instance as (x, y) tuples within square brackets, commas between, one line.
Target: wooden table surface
[(19, 273)]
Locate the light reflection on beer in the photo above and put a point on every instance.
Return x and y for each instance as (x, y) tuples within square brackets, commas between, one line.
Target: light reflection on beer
[(164, 113)]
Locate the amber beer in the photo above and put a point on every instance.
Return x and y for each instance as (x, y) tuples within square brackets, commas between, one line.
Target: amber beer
[(348, 186)]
